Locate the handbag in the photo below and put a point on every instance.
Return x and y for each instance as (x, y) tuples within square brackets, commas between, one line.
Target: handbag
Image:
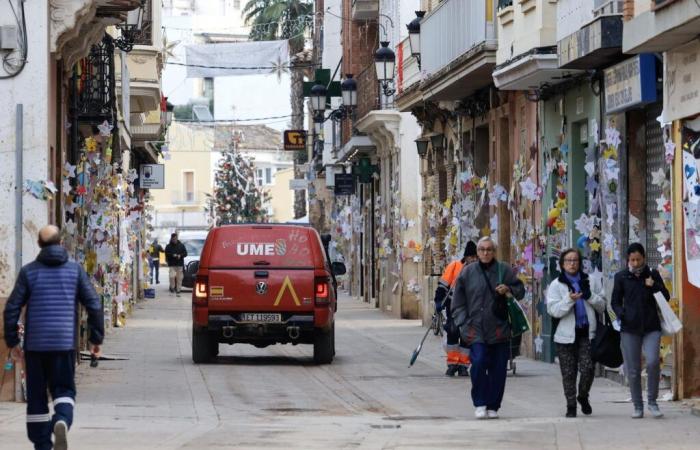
[(605, 347), (517, 318), (670, 324), (507, 308)]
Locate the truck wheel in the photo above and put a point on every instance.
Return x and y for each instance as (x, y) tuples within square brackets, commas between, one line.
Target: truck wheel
[(202, 348), (324, 346)]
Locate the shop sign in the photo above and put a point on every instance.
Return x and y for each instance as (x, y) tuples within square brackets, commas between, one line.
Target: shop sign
[(295, 139), (344, 184), (152, 176), (298, 184), (682, 82), (630, 83)]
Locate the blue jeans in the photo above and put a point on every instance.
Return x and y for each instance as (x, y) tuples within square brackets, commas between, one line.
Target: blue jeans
[(488, 373), (55, 371)]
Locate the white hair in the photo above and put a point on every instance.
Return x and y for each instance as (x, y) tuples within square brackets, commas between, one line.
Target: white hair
[(486, 239)]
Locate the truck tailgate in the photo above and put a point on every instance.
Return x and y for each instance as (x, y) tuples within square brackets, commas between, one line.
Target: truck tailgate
[(261, 290)]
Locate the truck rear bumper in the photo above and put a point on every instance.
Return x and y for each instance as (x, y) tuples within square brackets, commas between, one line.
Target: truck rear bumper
[(296, 329)]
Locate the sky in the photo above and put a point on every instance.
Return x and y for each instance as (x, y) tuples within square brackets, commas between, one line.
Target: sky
[(235, 97)]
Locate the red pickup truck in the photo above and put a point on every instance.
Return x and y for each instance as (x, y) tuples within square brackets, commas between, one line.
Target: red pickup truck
[(261, 285)]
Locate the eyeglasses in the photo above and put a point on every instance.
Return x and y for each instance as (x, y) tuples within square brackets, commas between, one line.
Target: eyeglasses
[(571, 261), (486, 250)]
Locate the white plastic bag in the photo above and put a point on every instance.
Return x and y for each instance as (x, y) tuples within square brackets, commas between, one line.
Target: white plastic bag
[(670, 324)]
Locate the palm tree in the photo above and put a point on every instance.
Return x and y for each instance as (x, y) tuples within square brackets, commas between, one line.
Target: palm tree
[(285, 19)]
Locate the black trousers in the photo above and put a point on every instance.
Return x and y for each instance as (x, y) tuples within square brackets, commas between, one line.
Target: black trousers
[(54, 373), (575, 359)]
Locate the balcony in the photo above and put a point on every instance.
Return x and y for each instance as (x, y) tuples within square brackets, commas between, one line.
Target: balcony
[(527, 44), (408, 77), (666, 25), (589, 33), (365, 9), (456, 67)]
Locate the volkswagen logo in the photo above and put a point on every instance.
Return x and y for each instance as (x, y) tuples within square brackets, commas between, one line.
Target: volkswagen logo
[(261, 288)]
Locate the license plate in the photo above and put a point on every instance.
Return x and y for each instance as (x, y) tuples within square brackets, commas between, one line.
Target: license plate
[(260, 317)]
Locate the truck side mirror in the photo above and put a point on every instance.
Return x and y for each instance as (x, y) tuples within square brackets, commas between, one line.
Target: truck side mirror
[(338, 268)]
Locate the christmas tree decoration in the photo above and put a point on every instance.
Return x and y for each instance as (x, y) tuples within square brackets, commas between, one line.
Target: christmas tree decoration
[(236, 198)]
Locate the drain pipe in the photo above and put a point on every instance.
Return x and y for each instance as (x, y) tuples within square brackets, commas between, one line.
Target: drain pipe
[(19, 188)]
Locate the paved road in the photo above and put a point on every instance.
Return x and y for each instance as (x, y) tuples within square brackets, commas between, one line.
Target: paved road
[(368, 398)]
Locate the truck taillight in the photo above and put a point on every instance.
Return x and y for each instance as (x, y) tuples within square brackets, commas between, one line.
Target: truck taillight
[(201, 291), (321, 295)]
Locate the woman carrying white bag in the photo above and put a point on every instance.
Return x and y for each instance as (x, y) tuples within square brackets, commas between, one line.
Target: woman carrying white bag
[(635, 305)]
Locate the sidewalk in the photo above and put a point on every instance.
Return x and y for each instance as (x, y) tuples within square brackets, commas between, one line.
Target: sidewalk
[(368, 398)]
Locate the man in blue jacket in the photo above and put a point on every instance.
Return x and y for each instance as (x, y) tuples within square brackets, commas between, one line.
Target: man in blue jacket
[(50, 288)]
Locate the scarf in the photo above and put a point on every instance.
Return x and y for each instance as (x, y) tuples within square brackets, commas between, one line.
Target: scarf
[(638, 271), (579, 305)]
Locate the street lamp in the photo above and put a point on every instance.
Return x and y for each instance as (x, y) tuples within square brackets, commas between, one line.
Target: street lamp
[(384, 62), (414, 35), (130, 29), (437, 141), (422, 147), (169, 110), (348, 89), (318, 98)]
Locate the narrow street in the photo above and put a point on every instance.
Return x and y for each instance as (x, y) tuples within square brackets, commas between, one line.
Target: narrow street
[(368, 398)]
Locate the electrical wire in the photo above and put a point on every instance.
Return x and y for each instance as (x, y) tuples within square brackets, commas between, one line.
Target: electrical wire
[(10, 64), (233, 121), (243, 67)]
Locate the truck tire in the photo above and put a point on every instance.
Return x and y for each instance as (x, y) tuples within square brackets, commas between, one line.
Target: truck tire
[(324, 346), (202, 348)]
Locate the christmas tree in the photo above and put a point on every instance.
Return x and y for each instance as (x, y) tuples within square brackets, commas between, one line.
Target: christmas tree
[(236, 198)]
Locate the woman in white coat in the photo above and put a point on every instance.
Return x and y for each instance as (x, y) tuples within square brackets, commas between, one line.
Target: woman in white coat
[(573, 305)]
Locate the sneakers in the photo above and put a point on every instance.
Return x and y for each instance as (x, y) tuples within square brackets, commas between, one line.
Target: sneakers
[(451, 370), (60, 433), (462, 371), (585, 406), (655, 412), (491, 414), (171, 290), (480, 412), (638, 413), (571, 411)]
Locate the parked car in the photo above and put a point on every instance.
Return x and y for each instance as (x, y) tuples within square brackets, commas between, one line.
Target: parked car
[(264, 284), (193, 242)]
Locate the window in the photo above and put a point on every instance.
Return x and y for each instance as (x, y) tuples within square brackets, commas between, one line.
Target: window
[(188, 186), (268, 175), (237, 4), (259, 177)]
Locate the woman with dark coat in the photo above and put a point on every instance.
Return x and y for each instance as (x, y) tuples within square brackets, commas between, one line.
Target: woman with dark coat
[(573, 301), (635, 307)]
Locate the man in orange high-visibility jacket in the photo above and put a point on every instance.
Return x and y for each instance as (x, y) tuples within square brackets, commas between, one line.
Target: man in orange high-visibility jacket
[(457, 355)]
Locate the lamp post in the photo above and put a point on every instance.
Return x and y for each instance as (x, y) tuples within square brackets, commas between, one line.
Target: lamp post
[(384, 62), (318, 99), (414, 35), (437, 140), (348, 90), (422, 147), (129, 30)]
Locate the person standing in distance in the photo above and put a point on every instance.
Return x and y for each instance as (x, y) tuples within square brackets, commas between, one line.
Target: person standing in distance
[(50, 288), (175, 253), (635, 307), (480, 311), (457, 353), (154, 251)]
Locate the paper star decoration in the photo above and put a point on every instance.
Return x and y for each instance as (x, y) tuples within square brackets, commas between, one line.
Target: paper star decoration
[(105, 129), (595, 246), (529, 189), (69, 170), (585, 224), (661, 203), (659, 177)]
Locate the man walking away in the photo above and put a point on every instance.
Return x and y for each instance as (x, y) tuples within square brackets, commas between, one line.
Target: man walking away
[(49, 288), (457, 353), (479, 309), (154, 251), (175, 253)]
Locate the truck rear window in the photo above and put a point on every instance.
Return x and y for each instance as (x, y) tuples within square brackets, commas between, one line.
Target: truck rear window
[(260, 246)]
